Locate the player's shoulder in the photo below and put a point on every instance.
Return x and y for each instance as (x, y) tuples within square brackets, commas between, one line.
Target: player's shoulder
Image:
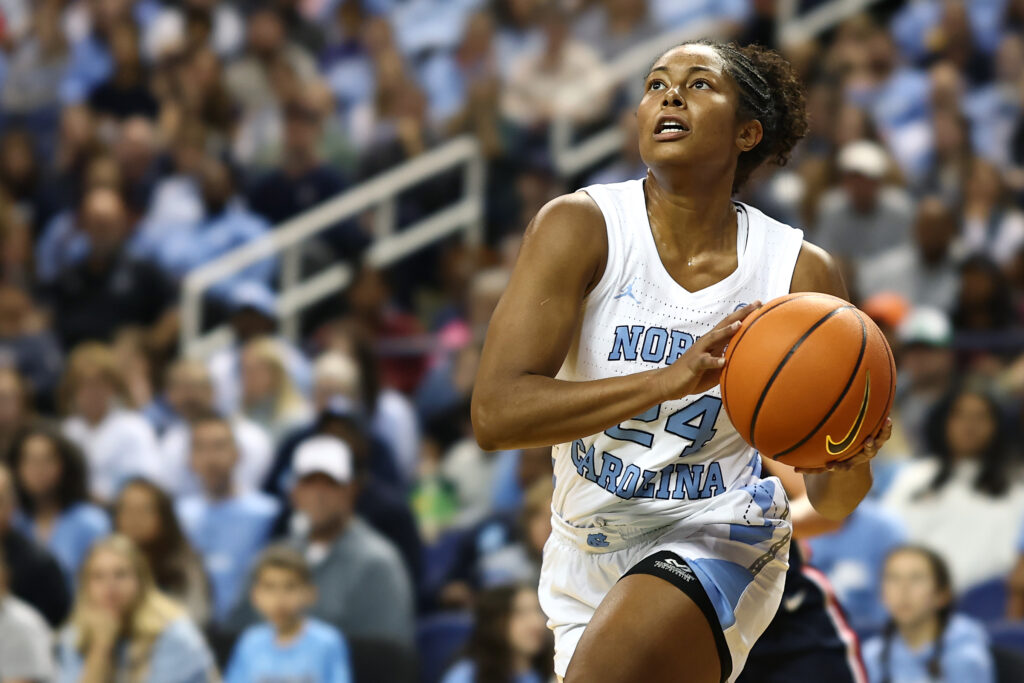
[(817, 271), (575, 213)]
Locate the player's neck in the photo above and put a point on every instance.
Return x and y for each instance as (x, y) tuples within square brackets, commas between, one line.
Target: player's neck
[(698, 219)]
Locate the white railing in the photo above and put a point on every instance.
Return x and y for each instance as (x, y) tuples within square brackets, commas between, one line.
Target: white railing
[(286, 240), (573, 156)]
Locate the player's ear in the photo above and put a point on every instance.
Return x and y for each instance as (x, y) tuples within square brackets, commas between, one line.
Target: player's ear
[(749, 134)]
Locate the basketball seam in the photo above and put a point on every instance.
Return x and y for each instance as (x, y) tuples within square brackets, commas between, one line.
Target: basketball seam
[(734, 342), (842, 395), (782, 364)]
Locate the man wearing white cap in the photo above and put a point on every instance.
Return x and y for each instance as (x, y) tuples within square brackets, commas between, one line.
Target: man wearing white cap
[(362, 585), (864, 216)]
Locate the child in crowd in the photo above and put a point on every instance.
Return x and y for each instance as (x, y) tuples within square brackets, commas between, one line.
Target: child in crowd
[(289, 644), (924, 640)]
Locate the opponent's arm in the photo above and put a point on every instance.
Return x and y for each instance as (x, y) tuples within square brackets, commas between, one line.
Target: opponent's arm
[(836, 491), (807, 522), (517, 403)]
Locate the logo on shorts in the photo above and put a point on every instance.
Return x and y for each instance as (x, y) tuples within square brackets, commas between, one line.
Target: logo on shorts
[(675, 567), (597, 541)]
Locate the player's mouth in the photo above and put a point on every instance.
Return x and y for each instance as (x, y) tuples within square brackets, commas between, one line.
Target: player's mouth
[(671, 127)]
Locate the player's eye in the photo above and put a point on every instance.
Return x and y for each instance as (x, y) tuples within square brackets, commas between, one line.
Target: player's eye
[(656, 85), (701, 81)]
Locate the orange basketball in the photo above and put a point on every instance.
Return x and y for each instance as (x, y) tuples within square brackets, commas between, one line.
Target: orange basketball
[(807, 379)]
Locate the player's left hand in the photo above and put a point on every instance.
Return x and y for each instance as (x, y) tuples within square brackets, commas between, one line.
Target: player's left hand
[(868, 451)]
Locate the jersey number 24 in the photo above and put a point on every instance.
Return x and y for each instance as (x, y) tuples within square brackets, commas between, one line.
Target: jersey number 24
[(694, 422)]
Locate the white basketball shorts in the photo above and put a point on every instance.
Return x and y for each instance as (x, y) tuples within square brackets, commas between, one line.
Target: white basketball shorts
[(736, 546)]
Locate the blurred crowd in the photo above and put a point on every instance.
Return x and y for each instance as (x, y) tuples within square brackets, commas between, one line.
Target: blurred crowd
[(164, 517)]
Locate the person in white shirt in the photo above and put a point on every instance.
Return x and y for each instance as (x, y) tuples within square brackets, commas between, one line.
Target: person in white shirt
[(966, 490), (118, 441), (190, 394)]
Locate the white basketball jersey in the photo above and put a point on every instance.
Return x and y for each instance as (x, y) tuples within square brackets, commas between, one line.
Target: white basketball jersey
[(653, 469)]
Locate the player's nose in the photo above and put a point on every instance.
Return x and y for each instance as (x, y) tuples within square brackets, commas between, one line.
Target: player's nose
[(673, 98)]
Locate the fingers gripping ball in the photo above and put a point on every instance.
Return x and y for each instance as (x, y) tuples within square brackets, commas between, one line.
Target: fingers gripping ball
[(807, 379)]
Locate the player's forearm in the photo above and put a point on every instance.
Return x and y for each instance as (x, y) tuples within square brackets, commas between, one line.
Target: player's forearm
[(836, 494), (534, 410)]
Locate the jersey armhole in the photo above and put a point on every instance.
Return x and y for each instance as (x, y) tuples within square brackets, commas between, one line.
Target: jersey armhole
[(600, 197)]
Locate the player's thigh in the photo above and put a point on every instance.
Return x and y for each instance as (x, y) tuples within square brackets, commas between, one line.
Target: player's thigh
[(646, 629)]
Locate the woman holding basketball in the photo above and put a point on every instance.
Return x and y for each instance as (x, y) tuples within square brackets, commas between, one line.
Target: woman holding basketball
[(668, 550)]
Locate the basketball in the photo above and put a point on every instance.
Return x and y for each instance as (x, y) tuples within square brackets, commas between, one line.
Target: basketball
[(807, 379)]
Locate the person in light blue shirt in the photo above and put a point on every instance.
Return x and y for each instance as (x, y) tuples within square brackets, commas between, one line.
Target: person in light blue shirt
[(52, 487), (289, 645), (227, 226), (123, 629), (924, 642), (227, 528), (852, 558), (510, 641)]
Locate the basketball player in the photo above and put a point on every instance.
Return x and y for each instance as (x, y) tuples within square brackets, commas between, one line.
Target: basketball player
[(669, 549)]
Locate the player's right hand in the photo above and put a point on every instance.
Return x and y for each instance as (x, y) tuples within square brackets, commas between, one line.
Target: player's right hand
[(700, 367)]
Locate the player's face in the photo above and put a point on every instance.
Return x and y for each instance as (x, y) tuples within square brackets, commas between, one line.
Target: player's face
[(280, 595), (688, 111), (909, 591)]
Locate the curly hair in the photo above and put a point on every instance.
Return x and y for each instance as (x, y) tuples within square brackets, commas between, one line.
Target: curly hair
[(771, 92)]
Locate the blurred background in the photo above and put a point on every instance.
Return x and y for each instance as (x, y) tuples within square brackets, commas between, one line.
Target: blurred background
[(233, 231)]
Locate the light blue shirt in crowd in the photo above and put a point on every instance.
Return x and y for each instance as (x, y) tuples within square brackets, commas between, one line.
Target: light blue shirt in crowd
[(72, 535), (965, 657), (189, 247), (853, 556), (464, 671), (179, 655), (319, 654), (229, 535)]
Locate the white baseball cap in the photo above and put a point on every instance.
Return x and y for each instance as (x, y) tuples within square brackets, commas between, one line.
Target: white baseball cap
[(865, 158), (324, 455), (928, 326)]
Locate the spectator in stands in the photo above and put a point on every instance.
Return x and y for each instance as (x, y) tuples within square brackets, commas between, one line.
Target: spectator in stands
[(381, 499), (925, 271), (26, 341), (226, 225), (852, 558), (253, 314), (109, 288), (565, 77), (20, 172), (991, 224), (189, 394), (127, 91), (288, 643), (15, 411), (614, 26), (362, 585), (33, 574), (145, 514), (926, 369), (63, 241), (168, 30), (52, 486), (117, 441), (269, 396), (629, 166), (26, 644), (124, 628), (352, 373), (509, 642), (138, 149), (37, 64), (968, 470), (865, 216), (984, 302), (226, 526), (924, 639)]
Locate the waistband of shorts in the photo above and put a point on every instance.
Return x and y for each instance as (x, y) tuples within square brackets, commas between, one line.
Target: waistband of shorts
[(602, 538)]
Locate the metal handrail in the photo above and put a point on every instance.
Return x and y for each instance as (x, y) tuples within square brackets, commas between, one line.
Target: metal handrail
[(388, 247)]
